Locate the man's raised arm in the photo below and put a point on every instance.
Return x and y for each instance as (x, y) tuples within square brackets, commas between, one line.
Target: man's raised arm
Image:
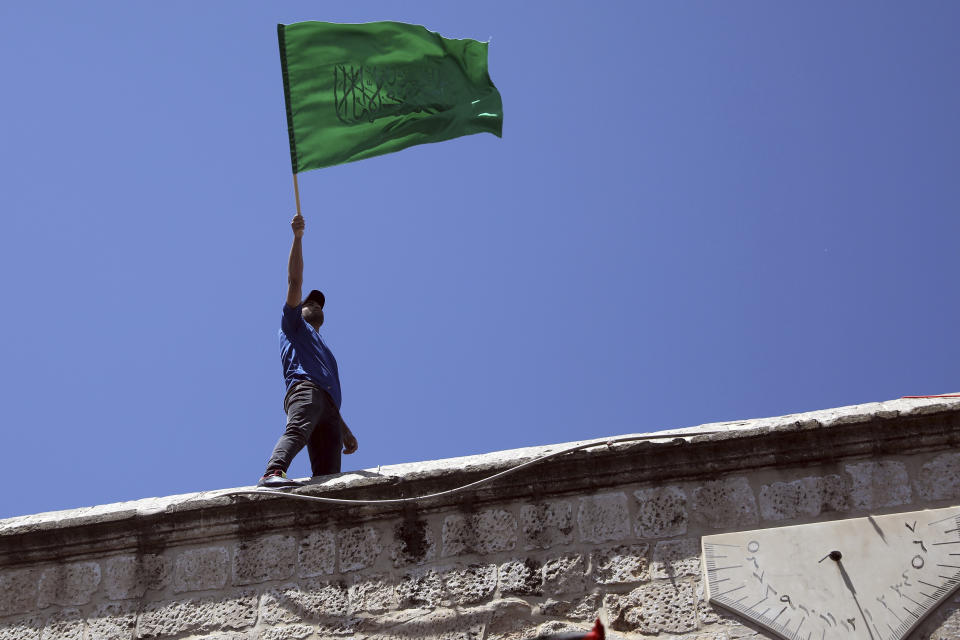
[(295, 266)]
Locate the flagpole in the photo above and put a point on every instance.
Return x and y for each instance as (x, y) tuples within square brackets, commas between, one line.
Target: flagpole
[(296, 192)]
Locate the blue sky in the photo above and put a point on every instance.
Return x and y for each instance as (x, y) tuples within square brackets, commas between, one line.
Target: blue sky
[(698, 212)]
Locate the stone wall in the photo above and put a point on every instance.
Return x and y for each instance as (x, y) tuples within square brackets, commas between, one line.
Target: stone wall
[(612, 531)]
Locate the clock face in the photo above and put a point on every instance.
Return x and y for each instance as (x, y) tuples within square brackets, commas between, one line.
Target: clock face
[(872, 578)]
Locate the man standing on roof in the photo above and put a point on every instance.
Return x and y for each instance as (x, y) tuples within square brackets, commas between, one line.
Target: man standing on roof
[(310, 371)]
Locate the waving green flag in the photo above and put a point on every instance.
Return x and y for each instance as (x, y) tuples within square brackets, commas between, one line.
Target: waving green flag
[(359, 90)]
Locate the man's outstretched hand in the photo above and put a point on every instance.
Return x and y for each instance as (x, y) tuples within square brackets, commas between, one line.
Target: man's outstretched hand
[(349, 440), (297, 224)]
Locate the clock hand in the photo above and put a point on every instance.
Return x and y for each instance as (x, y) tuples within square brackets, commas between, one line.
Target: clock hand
[(836, 557)]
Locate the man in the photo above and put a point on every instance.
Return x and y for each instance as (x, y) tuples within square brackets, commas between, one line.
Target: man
[(310, 371)]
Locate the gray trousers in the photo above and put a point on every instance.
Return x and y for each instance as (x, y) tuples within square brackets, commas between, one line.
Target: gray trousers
[(312, 421)]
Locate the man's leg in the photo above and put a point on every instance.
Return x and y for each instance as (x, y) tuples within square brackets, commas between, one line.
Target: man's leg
[(306, 405), (326, 442)]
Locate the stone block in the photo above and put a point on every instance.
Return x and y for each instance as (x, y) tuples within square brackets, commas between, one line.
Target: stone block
[(280, 606), (488, 531), (130, 576), (585, 608), (510, 619), (20, 591), (940, 478), (422, 588), (66, 624), (112, 621), (161, 619), (558, 628), (878, 484), (201, 569), (374, 594), (661, 512), (337, 628), (289, 632), (70, 584), (359, 547), (726, 503), (521, 577), (654, 608), (268, 558), (473, 584), (621, 565), (806, 497), (942, 624), (27, 628), (603, 517), (314, 600), (317, 555), (545, 525), (474, 632), (413, 543), (565, 574), (676, 559)]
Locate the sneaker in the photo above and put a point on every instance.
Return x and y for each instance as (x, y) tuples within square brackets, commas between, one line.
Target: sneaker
[(276, 479)]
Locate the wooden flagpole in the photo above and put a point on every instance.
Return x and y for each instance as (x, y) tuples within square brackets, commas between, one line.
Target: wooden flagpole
[(296, 192)]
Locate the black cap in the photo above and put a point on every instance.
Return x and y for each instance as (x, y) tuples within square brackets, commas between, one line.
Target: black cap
[(315, 296)]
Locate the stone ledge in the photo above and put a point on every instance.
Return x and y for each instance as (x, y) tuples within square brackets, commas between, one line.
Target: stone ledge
[(797, 438)]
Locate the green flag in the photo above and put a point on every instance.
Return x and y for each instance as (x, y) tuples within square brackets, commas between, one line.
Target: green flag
[(359, 90)]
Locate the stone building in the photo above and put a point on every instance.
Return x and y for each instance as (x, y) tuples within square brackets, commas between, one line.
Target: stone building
[(614, 530)]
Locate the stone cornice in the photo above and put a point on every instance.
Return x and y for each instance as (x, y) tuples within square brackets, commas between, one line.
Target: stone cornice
[(816, 438)]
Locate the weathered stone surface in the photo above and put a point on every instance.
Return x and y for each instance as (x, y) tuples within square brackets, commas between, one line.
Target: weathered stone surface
[(66, 624), (806, 497), (162, 619), (113, 621), (557, 627), (279, 606), (546, 524), (359, 547), (661, 512), (129, 576), (374, 594), (314, 600), (413, 543), (676, 559), (939, 478), (654, 608), (603, 517), (488, 531), (434, 624), (725, 503), (423, 588), (71, 584), (317, 555), (943, 623), (473, 584), (19, 588), (878, 484), (520, 577), (564, 575), (584, 608), (337, 628), (288, 632), (27, 628), (620, 565), (268, 558), (200, 569), (471, 633), (509, 618)]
